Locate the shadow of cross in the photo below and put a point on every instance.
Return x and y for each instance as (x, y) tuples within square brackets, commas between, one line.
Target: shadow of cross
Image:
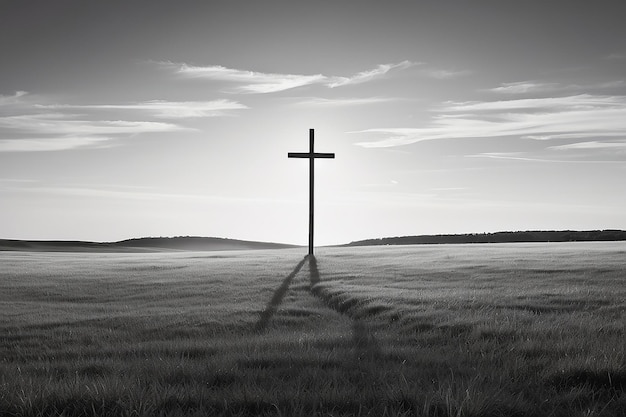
[(366, 347), (277, 298)]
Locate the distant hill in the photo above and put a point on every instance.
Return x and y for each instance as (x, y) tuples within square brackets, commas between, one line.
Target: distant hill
[(194, 243), (500, 237), (146, 244)]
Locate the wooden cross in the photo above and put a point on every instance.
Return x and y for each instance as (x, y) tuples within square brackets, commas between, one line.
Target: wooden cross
[(311, 155)]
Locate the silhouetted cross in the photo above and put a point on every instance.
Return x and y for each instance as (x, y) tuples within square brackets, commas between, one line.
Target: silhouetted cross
[(311, 155)]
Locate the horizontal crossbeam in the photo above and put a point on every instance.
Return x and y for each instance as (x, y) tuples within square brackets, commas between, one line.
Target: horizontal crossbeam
[(310, 155)]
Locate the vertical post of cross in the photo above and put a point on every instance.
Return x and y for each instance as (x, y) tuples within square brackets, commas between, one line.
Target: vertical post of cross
[(311, 155), (311, 188)]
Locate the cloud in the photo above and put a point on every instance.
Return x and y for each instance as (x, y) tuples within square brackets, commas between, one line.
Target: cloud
[(516, 156), (64, 124), (523, 87), (442, 74), (6, 100), (51, 144), (580, 135), (30, 126), (254, 82), (581, 116), (166, 109), (591, 145), (366, 76), (261, 82), (130, 192), (610, 84), (553, 104), (337, 102), (58, 131), (616, 56)]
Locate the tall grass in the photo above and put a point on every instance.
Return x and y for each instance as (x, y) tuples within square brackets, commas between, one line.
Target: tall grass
[(486, 330)]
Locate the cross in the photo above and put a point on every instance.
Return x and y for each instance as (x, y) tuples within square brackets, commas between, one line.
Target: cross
[(311, 155)]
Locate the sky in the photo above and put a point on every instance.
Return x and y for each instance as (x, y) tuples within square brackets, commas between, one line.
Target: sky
[(123, 119)]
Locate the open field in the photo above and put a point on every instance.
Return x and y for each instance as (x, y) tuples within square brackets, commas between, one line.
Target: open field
[(452, 330)]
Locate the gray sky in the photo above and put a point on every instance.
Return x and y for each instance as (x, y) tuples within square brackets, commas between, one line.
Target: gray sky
[(122, 119)]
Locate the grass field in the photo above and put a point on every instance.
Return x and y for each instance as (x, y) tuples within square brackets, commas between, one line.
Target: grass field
[(459, 330)]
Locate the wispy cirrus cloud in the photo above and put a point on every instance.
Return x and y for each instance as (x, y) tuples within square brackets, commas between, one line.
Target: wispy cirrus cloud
[(52, 144), (261, 82), (57, 132), (528, 87), (515, 156), (519, 156), (553, 104), (28, 126), (253, 82), (523, 87), (443, 74), (65, 124), (165, 109), (616, 56), (591, 145), (580, 116), (366, 76), (12, 99), (338, 102), (124, 191)]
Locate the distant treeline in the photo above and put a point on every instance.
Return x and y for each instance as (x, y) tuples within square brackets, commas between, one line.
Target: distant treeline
[(145, 244), (500, 237)]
